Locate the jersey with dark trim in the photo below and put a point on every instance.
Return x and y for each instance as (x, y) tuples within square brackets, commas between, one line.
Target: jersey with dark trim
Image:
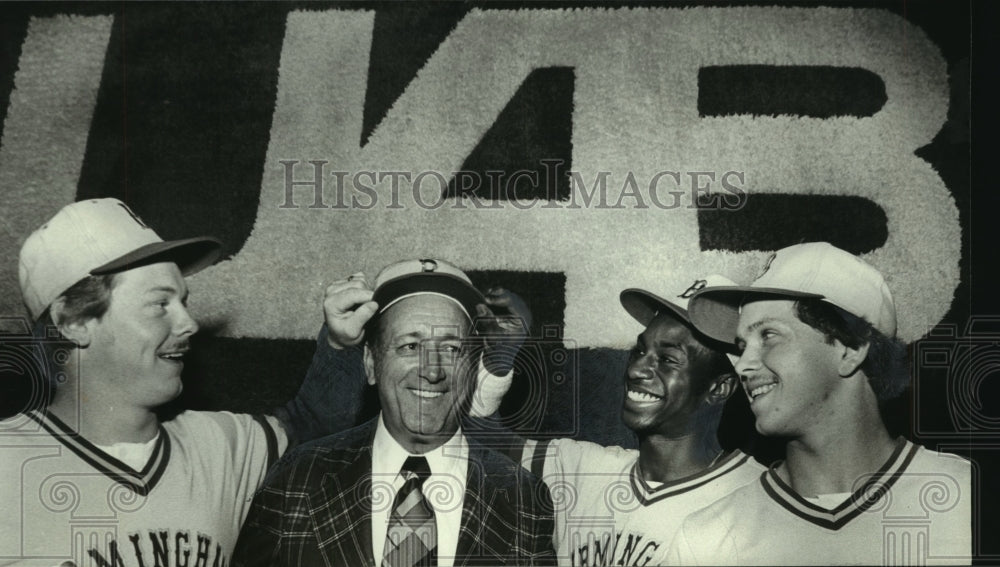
[(914, 510), (607, 514), (66, 500), (141, 482)]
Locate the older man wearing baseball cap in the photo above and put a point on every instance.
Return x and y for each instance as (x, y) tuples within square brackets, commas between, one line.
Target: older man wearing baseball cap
[(406, 488), (91, 475), (816, 332)]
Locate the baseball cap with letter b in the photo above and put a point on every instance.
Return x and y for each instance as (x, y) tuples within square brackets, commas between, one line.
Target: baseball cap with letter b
[(96, 237), (420, 277), (644, 306), (816, 270)]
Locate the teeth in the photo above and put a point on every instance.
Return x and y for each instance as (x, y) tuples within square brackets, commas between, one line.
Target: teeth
[(426, 394), (761, 390), (642, 396), (173, 355)]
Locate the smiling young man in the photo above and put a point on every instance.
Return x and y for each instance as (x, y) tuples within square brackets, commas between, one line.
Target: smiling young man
[(91, 476), (818, 355), (622, 507), (408, 487), (616, 506)]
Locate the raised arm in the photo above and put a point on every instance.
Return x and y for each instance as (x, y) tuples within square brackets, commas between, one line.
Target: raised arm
[(331, 398)]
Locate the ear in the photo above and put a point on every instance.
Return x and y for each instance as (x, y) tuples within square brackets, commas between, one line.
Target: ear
[(722, 387), (77, 331), (369, 366), (851, 359)]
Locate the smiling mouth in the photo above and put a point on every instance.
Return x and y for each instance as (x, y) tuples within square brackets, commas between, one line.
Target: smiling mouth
[(760, 390), (642, 397), (173, 356), (427, 394)]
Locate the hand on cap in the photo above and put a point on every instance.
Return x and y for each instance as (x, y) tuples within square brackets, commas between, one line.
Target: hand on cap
[(504, 322), (347, 307)]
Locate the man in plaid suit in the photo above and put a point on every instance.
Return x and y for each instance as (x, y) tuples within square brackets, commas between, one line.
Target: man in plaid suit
[(406, 488)]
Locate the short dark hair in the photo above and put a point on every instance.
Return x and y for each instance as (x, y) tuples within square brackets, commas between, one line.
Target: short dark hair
[(88, 298), (373, 332), (886, 362), (712, 361)]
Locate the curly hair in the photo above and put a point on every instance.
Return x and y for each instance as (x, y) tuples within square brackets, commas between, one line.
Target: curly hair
[(886, 363)]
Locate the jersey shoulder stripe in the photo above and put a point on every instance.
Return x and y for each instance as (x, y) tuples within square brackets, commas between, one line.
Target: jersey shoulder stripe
[(538, 458), (648, 495), (272, 440), (869, 493), (142, 482)]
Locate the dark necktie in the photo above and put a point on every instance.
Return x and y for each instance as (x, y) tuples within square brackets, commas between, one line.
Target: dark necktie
[(412, 536)]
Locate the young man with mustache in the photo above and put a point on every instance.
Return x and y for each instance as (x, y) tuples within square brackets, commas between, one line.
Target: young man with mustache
[(91, 475)]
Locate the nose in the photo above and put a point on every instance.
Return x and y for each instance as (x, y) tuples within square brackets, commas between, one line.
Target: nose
[(184, 324), (641, 367), (431, 368), (748, 362)]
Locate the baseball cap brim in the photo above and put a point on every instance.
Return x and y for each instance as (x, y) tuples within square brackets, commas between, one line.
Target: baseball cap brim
[(429, 282), (191, 255), (715, 311), (644, 306)]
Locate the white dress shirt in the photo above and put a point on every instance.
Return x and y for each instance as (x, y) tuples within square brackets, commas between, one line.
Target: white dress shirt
[(444, 490)]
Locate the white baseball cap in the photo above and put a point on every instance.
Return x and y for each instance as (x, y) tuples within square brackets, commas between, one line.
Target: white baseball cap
[(408, 278), (96, 237), (816, 270), (644, 306)]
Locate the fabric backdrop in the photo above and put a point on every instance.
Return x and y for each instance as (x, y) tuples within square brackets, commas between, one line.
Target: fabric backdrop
[(564, 151)]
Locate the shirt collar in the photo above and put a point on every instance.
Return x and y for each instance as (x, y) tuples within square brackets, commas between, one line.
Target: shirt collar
[(449, 458)]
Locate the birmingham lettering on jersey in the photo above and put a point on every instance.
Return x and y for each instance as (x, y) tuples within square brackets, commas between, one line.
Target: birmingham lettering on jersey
[(162, 549), (634, 551)]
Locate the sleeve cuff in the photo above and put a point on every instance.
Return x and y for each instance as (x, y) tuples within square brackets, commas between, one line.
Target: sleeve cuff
[(490, 390)]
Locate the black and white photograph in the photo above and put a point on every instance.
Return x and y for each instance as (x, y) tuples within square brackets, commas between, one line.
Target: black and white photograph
[(491, 282)]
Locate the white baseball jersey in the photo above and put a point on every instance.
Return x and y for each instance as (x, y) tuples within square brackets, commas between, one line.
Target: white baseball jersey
[(915, 510), (606, 514), (66, 502)]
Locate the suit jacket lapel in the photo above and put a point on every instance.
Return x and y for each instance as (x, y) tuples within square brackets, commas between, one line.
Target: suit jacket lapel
[(342, 512), (484, 506)]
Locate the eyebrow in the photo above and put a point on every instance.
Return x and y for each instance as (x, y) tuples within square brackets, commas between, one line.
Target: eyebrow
[(167, 289), (421, 336), (660, 344), (755, 325)]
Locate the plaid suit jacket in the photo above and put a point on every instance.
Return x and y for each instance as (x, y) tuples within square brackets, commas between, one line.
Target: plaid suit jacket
[(315, 509)]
